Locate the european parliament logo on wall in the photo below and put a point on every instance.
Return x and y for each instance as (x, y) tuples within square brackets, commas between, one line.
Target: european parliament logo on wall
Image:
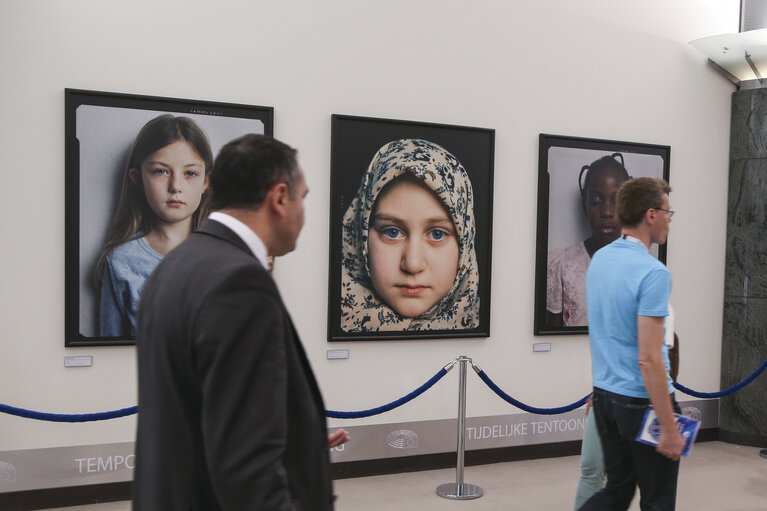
[(402, 439), (692, 413), (7, 473)]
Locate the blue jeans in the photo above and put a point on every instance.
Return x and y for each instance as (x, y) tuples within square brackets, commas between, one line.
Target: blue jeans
[(628, 463)]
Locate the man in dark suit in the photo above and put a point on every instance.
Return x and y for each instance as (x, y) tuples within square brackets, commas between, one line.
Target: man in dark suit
[(230, 415)]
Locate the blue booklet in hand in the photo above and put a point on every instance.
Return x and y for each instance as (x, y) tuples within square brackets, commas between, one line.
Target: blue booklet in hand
[(649, 433)]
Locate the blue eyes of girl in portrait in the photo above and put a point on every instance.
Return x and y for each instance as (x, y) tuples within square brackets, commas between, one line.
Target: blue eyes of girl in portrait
[(161, 171), (395, 233), (438, 234), (392, 233)]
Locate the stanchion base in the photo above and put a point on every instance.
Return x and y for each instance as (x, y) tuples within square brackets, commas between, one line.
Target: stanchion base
[(763, 453), (456, 491)]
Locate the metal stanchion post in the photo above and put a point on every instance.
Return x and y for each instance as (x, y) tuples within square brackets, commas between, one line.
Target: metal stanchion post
[(460, 490)]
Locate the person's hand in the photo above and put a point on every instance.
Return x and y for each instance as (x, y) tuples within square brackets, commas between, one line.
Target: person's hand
[(338, 437), (589, 403), (671, 444)]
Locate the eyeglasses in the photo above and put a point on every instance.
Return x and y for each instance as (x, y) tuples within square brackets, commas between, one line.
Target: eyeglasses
[(669, 212)]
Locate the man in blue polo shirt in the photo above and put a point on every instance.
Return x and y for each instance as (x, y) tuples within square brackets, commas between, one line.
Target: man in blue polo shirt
[(627, 293)]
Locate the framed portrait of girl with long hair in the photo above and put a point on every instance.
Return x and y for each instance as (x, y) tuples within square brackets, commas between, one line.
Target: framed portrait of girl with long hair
[(410, 230), (137, 171), (578, 180)]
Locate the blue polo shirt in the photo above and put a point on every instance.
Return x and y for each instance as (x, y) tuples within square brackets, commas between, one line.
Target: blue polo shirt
[(623, 281)]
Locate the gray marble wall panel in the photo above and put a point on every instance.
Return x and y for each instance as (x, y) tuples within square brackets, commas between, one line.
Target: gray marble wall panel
[(746, 270), (748, 132), (743, 415)]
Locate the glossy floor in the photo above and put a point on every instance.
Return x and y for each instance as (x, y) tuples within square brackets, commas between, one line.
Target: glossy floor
[(716, 477)]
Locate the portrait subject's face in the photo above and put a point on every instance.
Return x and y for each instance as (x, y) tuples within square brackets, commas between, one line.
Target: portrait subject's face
[(412, 249), (173, 179), (601, 208)]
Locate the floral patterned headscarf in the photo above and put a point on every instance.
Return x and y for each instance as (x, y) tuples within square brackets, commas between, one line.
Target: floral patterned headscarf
[(362, 310)]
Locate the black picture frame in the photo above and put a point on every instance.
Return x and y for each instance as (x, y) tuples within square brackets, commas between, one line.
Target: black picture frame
[(355, 141), (562, 220), (100, 128)]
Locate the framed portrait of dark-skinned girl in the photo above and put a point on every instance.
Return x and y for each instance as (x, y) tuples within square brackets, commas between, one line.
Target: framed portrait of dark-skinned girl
[(578, 181), (410, 229), (137, 170)]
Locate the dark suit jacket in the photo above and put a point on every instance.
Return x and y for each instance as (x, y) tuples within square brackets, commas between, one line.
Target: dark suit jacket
[(230, 416)]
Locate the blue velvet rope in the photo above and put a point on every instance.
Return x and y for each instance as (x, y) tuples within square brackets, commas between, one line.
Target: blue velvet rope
[(725, 392), (78, 417), (124, 412), (540, 411), (394, 404)]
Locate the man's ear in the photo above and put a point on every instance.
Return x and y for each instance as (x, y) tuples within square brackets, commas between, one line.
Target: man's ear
[(278, 198)]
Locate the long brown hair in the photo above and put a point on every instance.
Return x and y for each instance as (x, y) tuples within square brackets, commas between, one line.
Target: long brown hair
[(133, 217)]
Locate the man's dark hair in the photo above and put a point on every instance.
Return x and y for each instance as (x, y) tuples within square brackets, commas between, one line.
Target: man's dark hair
[(248, 167), (638, 195)]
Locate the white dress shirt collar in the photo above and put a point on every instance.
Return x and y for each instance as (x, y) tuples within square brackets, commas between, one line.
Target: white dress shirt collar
[(245, 233)]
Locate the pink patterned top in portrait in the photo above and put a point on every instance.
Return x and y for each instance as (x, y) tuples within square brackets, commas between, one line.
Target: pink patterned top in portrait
[(566, 284)]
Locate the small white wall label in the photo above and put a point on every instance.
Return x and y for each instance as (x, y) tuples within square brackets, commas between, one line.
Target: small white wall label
[(79, 361), (333, 354)]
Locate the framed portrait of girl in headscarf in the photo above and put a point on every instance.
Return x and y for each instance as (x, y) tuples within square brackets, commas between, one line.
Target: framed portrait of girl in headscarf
[(578, 181), (410, 230)]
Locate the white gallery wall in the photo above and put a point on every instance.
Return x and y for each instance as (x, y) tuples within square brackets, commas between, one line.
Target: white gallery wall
[(610, 69)]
